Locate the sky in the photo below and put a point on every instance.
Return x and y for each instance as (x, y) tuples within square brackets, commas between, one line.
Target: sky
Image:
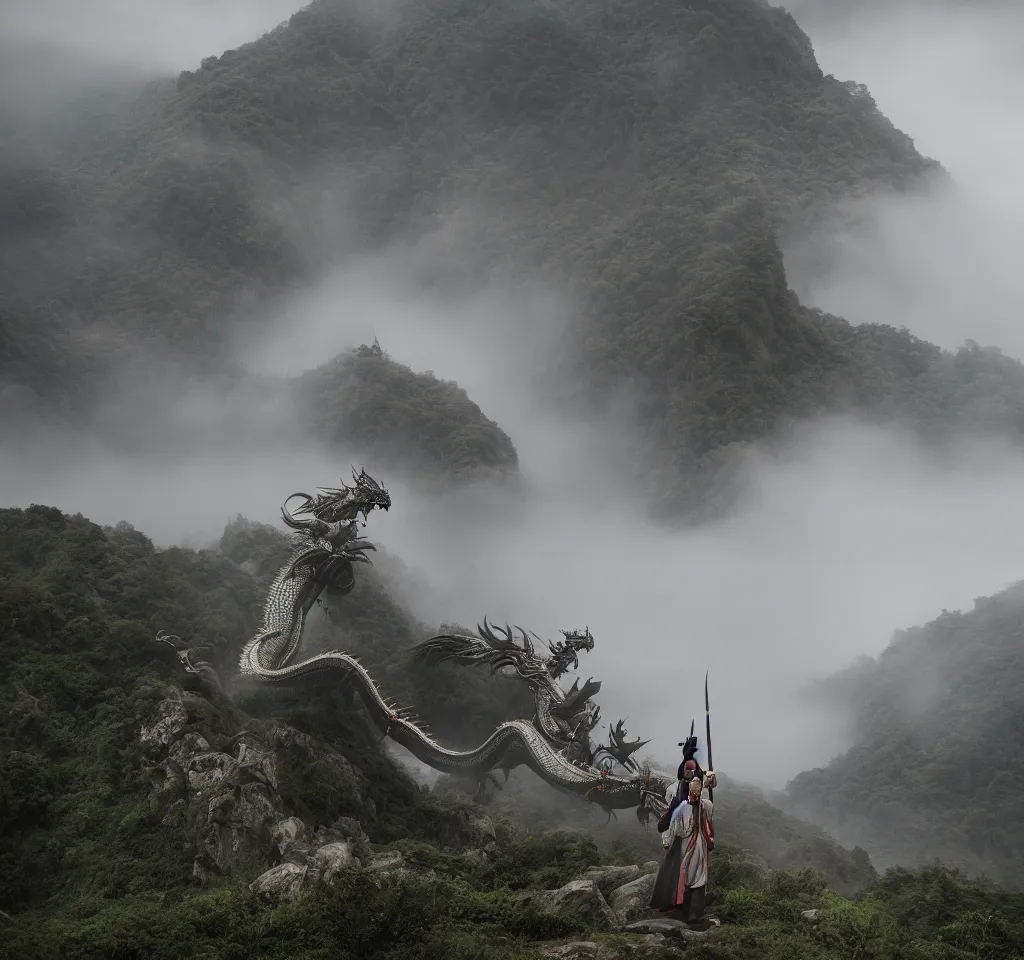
[(951, 76), (148, 35), (856, 533)]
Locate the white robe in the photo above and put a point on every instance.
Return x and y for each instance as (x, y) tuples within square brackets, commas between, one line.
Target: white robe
[(682, 825)]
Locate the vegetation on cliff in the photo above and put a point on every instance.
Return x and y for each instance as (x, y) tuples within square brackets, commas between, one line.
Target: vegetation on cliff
[(429, 427), (937, 771)]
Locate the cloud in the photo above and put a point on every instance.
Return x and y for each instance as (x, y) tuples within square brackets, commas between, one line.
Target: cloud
[(946, 266)]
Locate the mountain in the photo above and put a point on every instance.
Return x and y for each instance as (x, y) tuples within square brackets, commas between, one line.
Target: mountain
[(647, 156), (935, 772)]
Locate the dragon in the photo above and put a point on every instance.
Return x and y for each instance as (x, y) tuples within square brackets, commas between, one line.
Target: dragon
[(555, 744)]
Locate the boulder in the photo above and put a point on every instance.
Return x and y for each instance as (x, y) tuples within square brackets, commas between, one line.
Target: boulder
[(632, 900), (349, 831), (280, 883), (578, 898), (330, 860), (609, 878), (290, 838)]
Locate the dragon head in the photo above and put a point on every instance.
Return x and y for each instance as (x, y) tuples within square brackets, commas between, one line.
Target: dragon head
[(565, 653), (336, 505), (331, 517)]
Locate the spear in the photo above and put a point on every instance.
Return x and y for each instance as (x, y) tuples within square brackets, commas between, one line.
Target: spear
[(707, 721)]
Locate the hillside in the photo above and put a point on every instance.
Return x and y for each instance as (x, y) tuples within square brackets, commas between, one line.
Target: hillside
[(137, 804), (937, 769), (646, 155), (364, 399), (758, 836)]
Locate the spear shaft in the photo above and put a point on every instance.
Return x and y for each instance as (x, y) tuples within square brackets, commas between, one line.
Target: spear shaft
[(707, 722)]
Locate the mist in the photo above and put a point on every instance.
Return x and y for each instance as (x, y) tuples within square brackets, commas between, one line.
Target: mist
[(947, 265), (145, 35), (855, 532)]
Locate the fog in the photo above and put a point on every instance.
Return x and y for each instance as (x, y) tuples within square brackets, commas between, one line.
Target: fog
[(146, 35), (857, 532), (951, 76)]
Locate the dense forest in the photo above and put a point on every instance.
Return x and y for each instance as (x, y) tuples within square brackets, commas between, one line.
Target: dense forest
[(645, 155), (936, 769)]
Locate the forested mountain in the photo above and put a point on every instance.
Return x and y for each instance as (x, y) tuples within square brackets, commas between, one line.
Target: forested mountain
[(936, 772), (646, 155), (429, 427)]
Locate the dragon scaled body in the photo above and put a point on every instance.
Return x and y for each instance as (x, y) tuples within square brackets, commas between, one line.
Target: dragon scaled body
[(555, 744)]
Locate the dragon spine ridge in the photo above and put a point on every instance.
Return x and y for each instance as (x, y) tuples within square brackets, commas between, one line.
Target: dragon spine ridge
[(555, 745)]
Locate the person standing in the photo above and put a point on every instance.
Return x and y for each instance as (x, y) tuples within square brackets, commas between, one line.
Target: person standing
[(688, 835)]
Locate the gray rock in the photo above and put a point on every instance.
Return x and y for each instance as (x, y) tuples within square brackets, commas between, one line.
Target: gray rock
[(809, 915), (288, 835), (348, 830), (609, 878), (189, 746), (283, 882), (671, 929), (579, 898), (632, 900), (385, 862), (236, 827), (650, 866), (206, 772), (230, 795), (575, 950), (330, 860), (171, 720)]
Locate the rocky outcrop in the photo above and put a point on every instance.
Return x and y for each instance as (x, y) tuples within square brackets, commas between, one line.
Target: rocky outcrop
[(228, 793), (317, 858), (578, 898), (613, 898), (609, 878)]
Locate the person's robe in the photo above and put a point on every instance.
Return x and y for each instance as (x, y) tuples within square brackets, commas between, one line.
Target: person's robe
[(688, 830)]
